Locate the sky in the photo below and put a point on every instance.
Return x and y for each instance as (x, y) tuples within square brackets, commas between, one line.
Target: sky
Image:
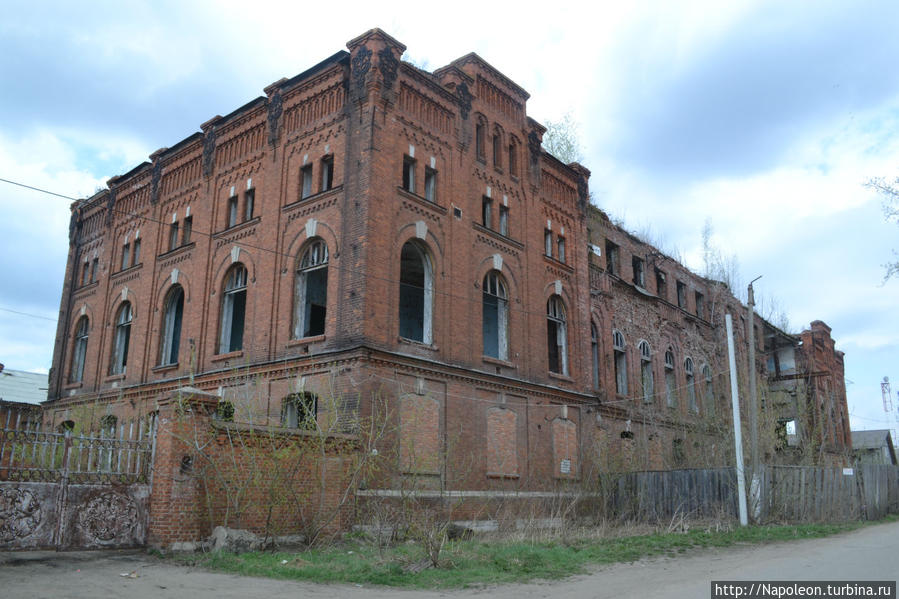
[(763, 119)]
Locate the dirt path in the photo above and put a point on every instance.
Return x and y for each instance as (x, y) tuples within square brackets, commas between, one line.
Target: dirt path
[(866, 554)]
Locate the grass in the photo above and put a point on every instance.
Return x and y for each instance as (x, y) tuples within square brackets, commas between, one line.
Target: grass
[(492, 561)]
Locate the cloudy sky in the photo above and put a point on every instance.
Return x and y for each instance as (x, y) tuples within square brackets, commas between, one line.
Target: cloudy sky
[(762, 118)]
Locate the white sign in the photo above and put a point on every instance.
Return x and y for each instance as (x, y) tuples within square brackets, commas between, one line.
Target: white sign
[(848, 472), (565, 467)]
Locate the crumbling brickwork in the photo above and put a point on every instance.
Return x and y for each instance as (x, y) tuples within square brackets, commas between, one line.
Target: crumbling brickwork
[(369, 233)]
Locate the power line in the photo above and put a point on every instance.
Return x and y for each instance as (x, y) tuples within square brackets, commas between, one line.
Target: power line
[(27, 314), (52, 193)]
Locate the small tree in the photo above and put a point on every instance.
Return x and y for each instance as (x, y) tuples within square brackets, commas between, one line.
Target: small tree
[(890, 193), (562, 139)]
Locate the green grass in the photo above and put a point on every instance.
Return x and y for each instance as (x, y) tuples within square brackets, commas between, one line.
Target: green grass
[(484, 562)]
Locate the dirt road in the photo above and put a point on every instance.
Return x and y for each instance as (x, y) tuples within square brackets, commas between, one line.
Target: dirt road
[(866, 554)]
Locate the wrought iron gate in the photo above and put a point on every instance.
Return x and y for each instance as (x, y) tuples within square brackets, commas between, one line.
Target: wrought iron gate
[(66, 491)]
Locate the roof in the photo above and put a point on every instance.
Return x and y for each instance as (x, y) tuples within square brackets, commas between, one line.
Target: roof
[(871, 439), (23, 387)]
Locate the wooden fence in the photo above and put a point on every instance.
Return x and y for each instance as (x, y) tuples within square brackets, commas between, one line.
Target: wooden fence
[(787, 493)]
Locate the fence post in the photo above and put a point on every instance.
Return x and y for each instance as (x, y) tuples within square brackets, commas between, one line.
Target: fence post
[(62, 490)]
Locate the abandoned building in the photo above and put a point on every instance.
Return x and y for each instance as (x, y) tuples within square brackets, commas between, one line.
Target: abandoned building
[(371, 233)]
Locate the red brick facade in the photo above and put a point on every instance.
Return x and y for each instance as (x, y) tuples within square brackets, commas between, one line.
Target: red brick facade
[(370, 231)]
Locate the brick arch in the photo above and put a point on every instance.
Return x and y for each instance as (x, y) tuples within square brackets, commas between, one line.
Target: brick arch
[(114, 300), (297, 244), (486, 265), (225, 263), (407, 233)]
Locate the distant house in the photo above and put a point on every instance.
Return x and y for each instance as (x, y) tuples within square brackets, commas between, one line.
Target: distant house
[(873, 447), (21, 394)]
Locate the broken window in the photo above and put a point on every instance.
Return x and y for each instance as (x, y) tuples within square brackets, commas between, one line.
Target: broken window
[(513, 159), (126, 255), (79, 351), (487, 212), (94, 265), (232, 211), (188, 227), (409, 174), (646, 380), (691, 386), (234, 303), (85, 272), (249, 204), (556, 335), (670, 381), (300, 410), (306, 181), (430, 184), (548, 243), (681, 295), (639, 274), (677, 451), (173, 312), (661, 284), (709, 390), (560, 247), (312, 291), (121, 339), (504, 221), (497, 148), (612, 258), (327, 173), (173, 236), (620, 359), (594, 354), (700, 306), (479, 140), (496, 316), (416, 293)]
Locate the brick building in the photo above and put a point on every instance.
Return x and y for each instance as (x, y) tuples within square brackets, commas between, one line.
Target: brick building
[(368, 232)]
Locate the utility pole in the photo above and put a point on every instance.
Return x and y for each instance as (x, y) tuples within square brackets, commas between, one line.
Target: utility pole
[(754, 485), (738, 431)]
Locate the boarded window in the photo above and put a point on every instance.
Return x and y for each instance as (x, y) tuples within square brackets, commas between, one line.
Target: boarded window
[(502, 446), (419, 435)]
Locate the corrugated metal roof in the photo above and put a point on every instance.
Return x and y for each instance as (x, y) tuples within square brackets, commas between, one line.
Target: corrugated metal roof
[(24, 387)]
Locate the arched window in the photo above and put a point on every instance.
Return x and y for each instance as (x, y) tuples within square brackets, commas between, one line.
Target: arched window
[(709, 390), (646, 381), (416, 293), (173, 311), (670, 381), (79, 351), (121, 339), (496, 317), (234, 305), (594, 354), (513, 158), (311, 302), (620, 360), (479, 139), (497, 147), (556, 335), (691, 386)]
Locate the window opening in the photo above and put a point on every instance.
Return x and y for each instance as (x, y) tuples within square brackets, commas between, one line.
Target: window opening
[(496, 316), (234, 302), (556, 335), (312, 291)]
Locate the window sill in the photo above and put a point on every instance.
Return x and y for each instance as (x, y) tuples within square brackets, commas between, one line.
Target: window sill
[(306, 340), (228, 356), (114, 377), (414, 343), (125, 271), (237, 227), (561, 377), (421, 200), (496, 234), (86, 286), (77, 385), (498, 362), (558, 263), (180, 248), (165, 367), (311, 198)]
